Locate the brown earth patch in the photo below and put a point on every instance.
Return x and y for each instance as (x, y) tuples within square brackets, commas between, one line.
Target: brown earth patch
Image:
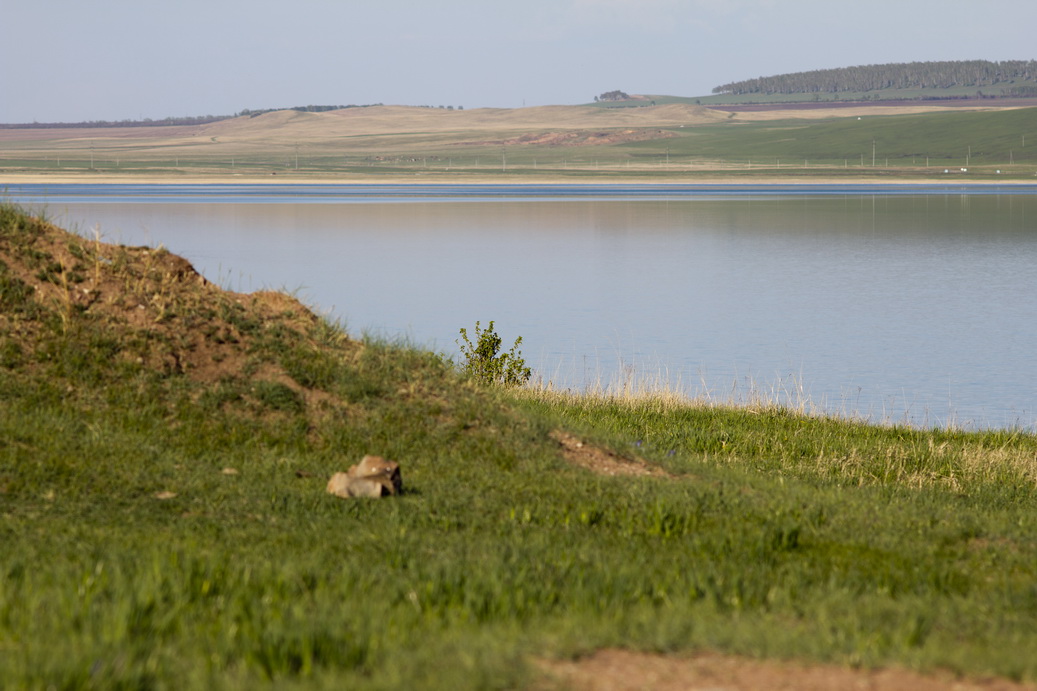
[(602, 461), (577, 138), (623, 670)]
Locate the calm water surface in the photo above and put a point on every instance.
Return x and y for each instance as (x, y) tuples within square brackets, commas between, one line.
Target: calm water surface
[(900, 304)]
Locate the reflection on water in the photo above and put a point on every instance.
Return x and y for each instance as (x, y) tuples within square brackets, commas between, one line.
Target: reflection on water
[(899, 307)]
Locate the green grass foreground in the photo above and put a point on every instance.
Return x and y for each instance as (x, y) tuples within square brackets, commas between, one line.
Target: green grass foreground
[(166, 526)]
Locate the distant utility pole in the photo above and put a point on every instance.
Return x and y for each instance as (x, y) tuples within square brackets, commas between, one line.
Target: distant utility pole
[(872, 153)]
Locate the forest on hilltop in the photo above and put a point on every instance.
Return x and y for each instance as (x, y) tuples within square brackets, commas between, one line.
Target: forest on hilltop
[(914, 75)]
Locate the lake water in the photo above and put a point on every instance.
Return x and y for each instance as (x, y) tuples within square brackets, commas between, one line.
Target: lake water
[(898, 304)]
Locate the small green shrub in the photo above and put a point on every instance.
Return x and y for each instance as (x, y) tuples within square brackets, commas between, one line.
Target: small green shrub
[(485, 362)]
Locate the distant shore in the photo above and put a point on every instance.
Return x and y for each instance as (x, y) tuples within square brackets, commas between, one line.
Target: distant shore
[(547, 179), (550, 145)]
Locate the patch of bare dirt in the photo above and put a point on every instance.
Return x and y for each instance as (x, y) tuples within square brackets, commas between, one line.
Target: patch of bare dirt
[(602, 461), (623, 670), (577, 138)]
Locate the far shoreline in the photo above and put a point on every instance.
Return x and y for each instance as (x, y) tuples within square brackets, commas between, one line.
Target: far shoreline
[(956, 179)]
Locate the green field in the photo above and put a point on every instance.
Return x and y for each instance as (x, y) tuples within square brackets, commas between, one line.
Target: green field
[(982, 139), (164, 448)]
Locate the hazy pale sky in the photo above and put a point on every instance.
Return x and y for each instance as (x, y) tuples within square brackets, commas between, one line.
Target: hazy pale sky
[(72, 60)]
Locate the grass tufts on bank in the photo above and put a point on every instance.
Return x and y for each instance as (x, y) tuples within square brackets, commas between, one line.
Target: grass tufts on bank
[(164, 447)]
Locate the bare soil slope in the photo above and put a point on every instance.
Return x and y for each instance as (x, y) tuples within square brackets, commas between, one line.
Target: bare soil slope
[(621, 670)]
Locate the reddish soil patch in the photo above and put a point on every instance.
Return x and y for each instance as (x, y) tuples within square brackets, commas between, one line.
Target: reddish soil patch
[(577, 138), (602, 461), (622, 670)]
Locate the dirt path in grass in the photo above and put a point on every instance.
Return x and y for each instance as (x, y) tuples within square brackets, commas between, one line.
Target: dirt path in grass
[(621, 670), (602, 461)]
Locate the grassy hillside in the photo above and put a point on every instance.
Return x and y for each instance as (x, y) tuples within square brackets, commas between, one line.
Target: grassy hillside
[(164, 447)]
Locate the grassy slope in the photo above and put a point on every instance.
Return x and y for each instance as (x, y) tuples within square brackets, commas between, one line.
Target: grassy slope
[(779, 536)]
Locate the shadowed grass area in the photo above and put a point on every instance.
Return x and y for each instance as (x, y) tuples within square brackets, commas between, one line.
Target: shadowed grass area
[(164, 521)]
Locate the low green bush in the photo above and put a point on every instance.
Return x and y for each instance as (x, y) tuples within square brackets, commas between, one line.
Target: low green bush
[(485, 363)]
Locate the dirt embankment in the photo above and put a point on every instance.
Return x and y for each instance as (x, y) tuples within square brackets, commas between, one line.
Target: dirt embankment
[(142, 306)]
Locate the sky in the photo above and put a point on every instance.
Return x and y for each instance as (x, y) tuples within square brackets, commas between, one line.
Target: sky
[(75, 61)]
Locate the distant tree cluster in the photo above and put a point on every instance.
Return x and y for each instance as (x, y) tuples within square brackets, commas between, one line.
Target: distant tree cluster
[(304, 109), (914, 75), (612, 96)]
